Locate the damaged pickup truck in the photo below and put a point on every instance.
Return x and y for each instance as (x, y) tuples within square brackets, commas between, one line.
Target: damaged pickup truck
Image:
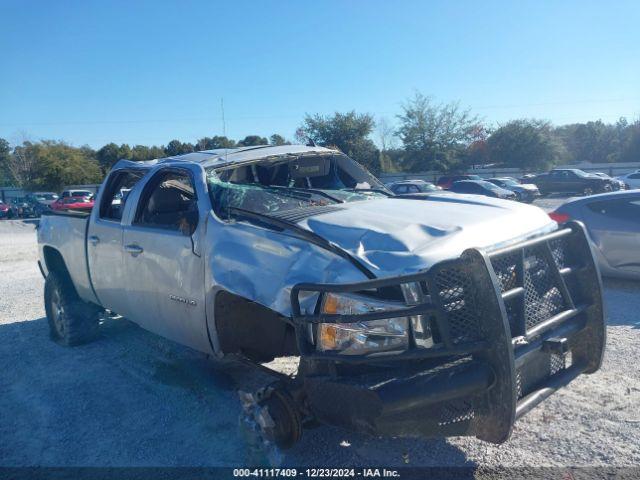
[(410, 316)]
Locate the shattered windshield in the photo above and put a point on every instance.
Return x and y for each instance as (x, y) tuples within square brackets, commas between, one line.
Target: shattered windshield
[(278, 184)]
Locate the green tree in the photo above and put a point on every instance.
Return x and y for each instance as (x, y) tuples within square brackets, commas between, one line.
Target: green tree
[(142, 153), (594, 142), (252, 141), (277, 140), (109, 154), (526, 144), (176, 147), (631, 148), (349, 132), (213, 143), (435, 136), (6, 178), (49, 165)]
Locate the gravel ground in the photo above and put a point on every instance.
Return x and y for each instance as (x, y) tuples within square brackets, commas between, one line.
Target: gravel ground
[(135, 399)]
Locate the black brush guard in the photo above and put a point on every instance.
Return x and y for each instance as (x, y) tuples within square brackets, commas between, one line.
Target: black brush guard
[(513, 324)]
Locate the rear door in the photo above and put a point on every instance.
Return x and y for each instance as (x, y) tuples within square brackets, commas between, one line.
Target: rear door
[(165, 269), (104, 242), (615, 228)]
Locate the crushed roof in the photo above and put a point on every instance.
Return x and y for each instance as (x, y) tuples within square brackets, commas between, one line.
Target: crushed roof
[(227, 156)]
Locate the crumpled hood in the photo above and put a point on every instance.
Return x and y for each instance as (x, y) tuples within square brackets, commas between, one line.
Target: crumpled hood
[(394, 236)]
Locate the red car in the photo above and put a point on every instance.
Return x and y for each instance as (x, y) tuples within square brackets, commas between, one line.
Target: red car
[(73, 203), (4, 210)]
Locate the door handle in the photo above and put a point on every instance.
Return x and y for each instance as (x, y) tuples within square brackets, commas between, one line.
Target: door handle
[(134, 250), (94, 240)]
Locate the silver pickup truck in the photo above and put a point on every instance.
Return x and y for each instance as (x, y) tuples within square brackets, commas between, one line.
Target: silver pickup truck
[(411, 315)]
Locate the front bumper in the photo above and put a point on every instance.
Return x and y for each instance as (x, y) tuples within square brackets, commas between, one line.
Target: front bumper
[(514, 325)]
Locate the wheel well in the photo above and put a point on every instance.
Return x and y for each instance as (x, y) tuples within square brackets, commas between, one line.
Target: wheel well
[(55, 263), (252, 329)]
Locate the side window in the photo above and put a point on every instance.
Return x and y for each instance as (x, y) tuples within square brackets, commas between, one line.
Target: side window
[(401, 189), (115, 195), (169, 202), (635, 176), (413, 189), (628, 210)]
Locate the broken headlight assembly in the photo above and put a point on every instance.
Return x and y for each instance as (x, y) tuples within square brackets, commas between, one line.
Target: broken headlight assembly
[(363, 337)]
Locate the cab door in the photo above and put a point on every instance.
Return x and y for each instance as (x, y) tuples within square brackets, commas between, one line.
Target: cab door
[(104, 242), (164, 265)]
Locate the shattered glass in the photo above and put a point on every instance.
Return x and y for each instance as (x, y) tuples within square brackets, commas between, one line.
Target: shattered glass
[(280, 184)]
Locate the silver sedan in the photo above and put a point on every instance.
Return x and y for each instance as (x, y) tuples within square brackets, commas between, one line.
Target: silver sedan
[(613, 222)]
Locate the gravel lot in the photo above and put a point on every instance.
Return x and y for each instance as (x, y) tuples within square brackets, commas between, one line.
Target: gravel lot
[(135, 399)]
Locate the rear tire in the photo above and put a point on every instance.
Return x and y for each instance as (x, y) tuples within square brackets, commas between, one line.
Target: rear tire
[(71, 321), (587, 191)]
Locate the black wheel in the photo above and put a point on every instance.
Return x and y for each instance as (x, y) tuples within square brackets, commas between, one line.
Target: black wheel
[(587, 191), (71, 321)]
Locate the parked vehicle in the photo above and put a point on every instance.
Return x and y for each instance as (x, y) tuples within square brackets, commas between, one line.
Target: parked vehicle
[(631, 180), (615, 183), (446, 181), (613, 223), (454, 320), (413, 186), (46, 198), (41, 201), (482, 187), (571, 180), (526, 178), (72, 203), (76, 193), (19, 207), (524, 192), (4, 210)]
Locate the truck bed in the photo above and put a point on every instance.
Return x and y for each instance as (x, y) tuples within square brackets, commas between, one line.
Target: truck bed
[(65, 232)]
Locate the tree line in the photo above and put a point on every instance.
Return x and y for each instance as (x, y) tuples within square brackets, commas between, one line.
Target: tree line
[(425, 135)]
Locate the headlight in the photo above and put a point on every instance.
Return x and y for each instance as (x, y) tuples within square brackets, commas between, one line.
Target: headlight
[(361, 337)]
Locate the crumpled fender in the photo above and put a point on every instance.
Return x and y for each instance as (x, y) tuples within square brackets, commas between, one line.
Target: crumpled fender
[(262, 265)]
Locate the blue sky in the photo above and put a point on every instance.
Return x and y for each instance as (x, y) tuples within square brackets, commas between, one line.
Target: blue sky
[(145, 72)]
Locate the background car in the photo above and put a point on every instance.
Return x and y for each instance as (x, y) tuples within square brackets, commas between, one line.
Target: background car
[(613, 223), (524, 192), (631, 180), (412, 186), (571, 180), (446, 181), (482, 187), (72, 203), (20, 207), (615, 183), (4, 210), (76, 193), (41, 201)]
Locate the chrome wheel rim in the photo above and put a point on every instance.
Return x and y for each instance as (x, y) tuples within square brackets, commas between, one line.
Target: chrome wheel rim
[(57, 311)]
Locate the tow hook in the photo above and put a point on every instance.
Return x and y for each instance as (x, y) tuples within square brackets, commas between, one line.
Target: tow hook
[(273, 415)]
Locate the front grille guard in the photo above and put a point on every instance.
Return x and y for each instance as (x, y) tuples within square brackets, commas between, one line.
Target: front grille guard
[(494, 307)]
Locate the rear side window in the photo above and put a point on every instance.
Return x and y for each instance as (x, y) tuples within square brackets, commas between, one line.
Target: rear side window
[(169, 202), (465, 187), (400, 189), (628, 210), (116, 193), (635, 176)]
